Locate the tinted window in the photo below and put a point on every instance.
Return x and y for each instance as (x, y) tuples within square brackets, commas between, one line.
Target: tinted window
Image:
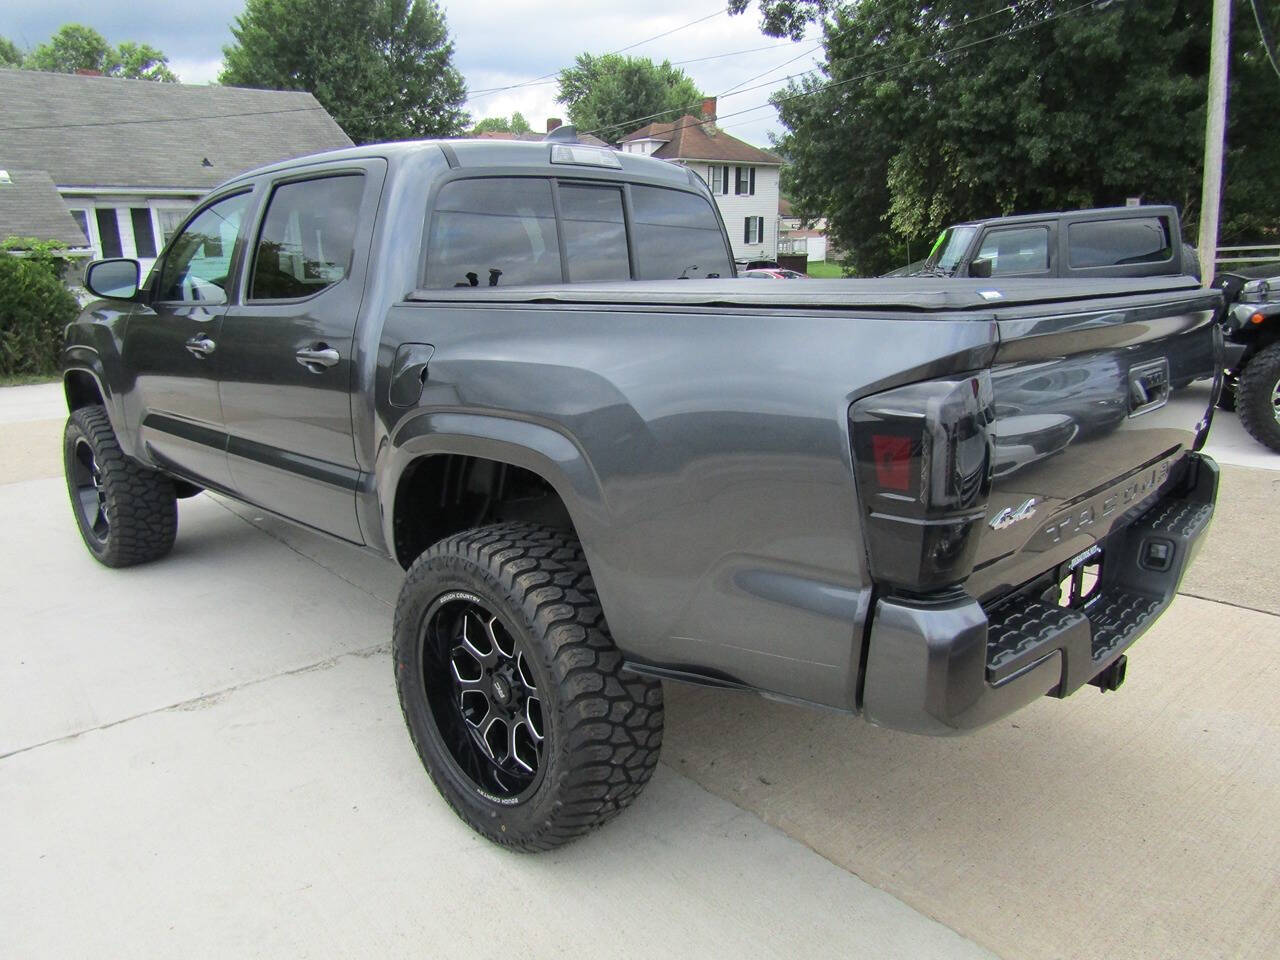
[(1108, 243), (676, 235), (1022, 250), (197, 265), (306, 239), (491, 232), (595, 233)]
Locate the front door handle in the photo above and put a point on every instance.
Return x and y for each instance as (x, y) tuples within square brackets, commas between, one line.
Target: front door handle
[(317, 358), (201, 346)]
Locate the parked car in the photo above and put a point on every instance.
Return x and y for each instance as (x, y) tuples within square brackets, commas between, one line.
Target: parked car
[(779, 274), (477, 358), (1104, 242), (1251, 328)]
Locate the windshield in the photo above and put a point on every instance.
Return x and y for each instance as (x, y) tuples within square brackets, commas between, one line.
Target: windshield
[(948, 249)]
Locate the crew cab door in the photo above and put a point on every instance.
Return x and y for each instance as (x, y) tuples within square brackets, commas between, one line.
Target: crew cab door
[(172, 344), (286, 350)]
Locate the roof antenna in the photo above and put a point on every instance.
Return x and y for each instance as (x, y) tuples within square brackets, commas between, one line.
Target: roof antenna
[(563, 134)]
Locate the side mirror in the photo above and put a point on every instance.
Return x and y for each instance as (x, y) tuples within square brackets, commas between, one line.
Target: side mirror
[(981, 268), (113, 279)]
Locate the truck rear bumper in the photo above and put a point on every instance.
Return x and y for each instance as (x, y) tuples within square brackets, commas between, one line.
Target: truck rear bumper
[(953, 666)]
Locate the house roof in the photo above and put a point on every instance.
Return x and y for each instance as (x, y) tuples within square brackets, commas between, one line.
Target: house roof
[(784, 207), (105, 132), (692, 139), (31, 207)]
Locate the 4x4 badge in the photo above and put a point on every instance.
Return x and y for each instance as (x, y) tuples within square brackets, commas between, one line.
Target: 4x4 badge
[(1011, 515)]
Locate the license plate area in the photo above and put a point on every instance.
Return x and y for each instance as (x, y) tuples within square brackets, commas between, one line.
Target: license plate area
[(1079, 580)]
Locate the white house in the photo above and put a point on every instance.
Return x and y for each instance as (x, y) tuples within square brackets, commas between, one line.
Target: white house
[(743, 179), (797, 236), (112, 166)]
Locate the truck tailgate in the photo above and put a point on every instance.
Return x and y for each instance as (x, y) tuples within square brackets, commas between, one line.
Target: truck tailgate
[(1095, 409)]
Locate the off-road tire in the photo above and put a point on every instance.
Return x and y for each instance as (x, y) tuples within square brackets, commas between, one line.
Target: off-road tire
[(139, 505), (1255, 397), (602, 726)]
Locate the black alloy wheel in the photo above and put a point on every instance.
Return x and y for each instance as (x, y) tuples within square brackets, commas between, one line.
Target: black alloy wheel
[(89, 494), (483, 695)]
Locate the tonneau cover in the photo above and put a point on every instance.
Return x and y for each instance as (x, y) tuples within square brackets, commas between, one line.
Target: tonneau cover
[(886, 293)]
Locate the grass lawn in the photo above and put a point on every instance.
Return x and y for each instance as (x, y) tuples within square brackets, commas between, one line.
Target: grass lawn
[(824, 270), (24, 379)]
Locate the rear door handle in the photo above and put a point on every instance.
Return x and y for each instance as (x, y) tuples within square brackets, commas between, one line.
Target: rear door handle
[(201, 346), (317, 358)]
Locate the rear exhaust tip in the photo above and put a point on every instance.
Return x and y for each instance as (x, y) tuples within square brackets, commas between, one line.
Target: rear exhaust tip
[(1112, 677)]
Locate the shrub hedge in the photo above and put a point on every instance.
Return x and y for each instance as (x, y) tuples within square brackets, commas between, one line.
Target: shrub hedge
[(35, 308)]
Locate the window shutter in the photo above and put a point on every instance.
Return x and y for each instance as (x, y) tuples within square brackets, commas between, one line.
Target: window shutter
[(752, 191), (724, 179), (746, 233)]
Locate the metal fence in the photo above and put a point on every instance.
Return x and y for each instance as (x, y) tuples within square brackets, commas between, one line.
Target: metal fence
[(1247, 255)]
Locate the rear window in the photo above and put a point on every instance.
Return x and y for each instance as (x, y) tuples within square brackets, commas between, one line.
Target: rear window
[(595, 232), (677, 236), (493, 232), (1014, 251), (1110, 243)]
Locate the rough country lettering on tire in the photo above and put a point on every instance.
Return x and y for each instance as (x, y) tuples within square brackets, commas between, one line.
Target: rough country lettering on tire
[(528, 373)]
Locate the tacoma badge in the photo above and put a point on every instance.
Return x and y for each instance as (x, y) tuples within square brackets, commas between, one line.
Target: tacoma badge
[(1009, 516)]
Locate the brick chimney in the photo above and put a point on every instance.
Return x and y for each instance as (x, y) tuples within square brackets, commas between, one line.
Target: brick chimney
[(709, 108), (553, 122)]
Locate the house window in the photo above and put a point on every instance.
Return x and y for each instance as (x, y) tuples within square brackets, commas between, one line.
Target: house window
[(745, 181), (719, 179), (753, 230), (109, 232), (82, 218), (144, 237)]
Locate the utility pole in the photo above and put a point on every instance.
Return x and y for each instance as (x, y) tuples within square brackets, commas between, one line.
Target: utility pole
[(1215, 129)]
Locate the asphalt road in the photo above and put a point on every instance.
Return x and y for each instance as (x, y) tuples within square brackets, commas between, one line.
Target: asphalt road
[(204, 757)]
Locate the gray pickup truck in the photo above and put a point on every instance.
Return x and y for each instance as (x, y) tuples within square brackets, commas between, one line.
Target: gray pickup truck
[(1143, 241), (527, 373)]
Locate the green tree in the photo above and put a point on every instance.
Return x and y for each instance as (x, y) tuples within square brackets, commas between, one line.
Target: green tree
[(382, 68), (919, 118), (77, 47), (612, 95), (516, 124), (10, 55)]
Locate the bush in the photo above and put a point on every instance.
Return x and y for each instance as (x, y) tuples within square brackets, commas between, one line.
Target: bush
[(35, 308)]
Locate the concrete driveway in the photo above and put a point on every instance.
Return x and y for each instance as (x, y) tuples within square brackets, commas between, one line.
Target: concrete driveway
[(205, 757)]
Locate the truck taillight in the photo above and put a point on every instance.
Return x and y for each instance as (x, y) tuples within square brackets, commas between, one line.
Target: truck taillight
[(922, 457)]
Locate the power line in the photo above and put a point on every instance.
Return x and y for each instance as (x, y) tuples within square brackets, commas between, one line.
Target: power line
[(632, 46), (959, 48), (487, 91), (1265, 30), (734, 91)]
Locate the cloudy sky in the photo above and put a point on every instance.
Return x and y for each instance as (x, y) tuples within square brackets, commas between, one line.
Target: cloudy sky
[(497, 44)]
